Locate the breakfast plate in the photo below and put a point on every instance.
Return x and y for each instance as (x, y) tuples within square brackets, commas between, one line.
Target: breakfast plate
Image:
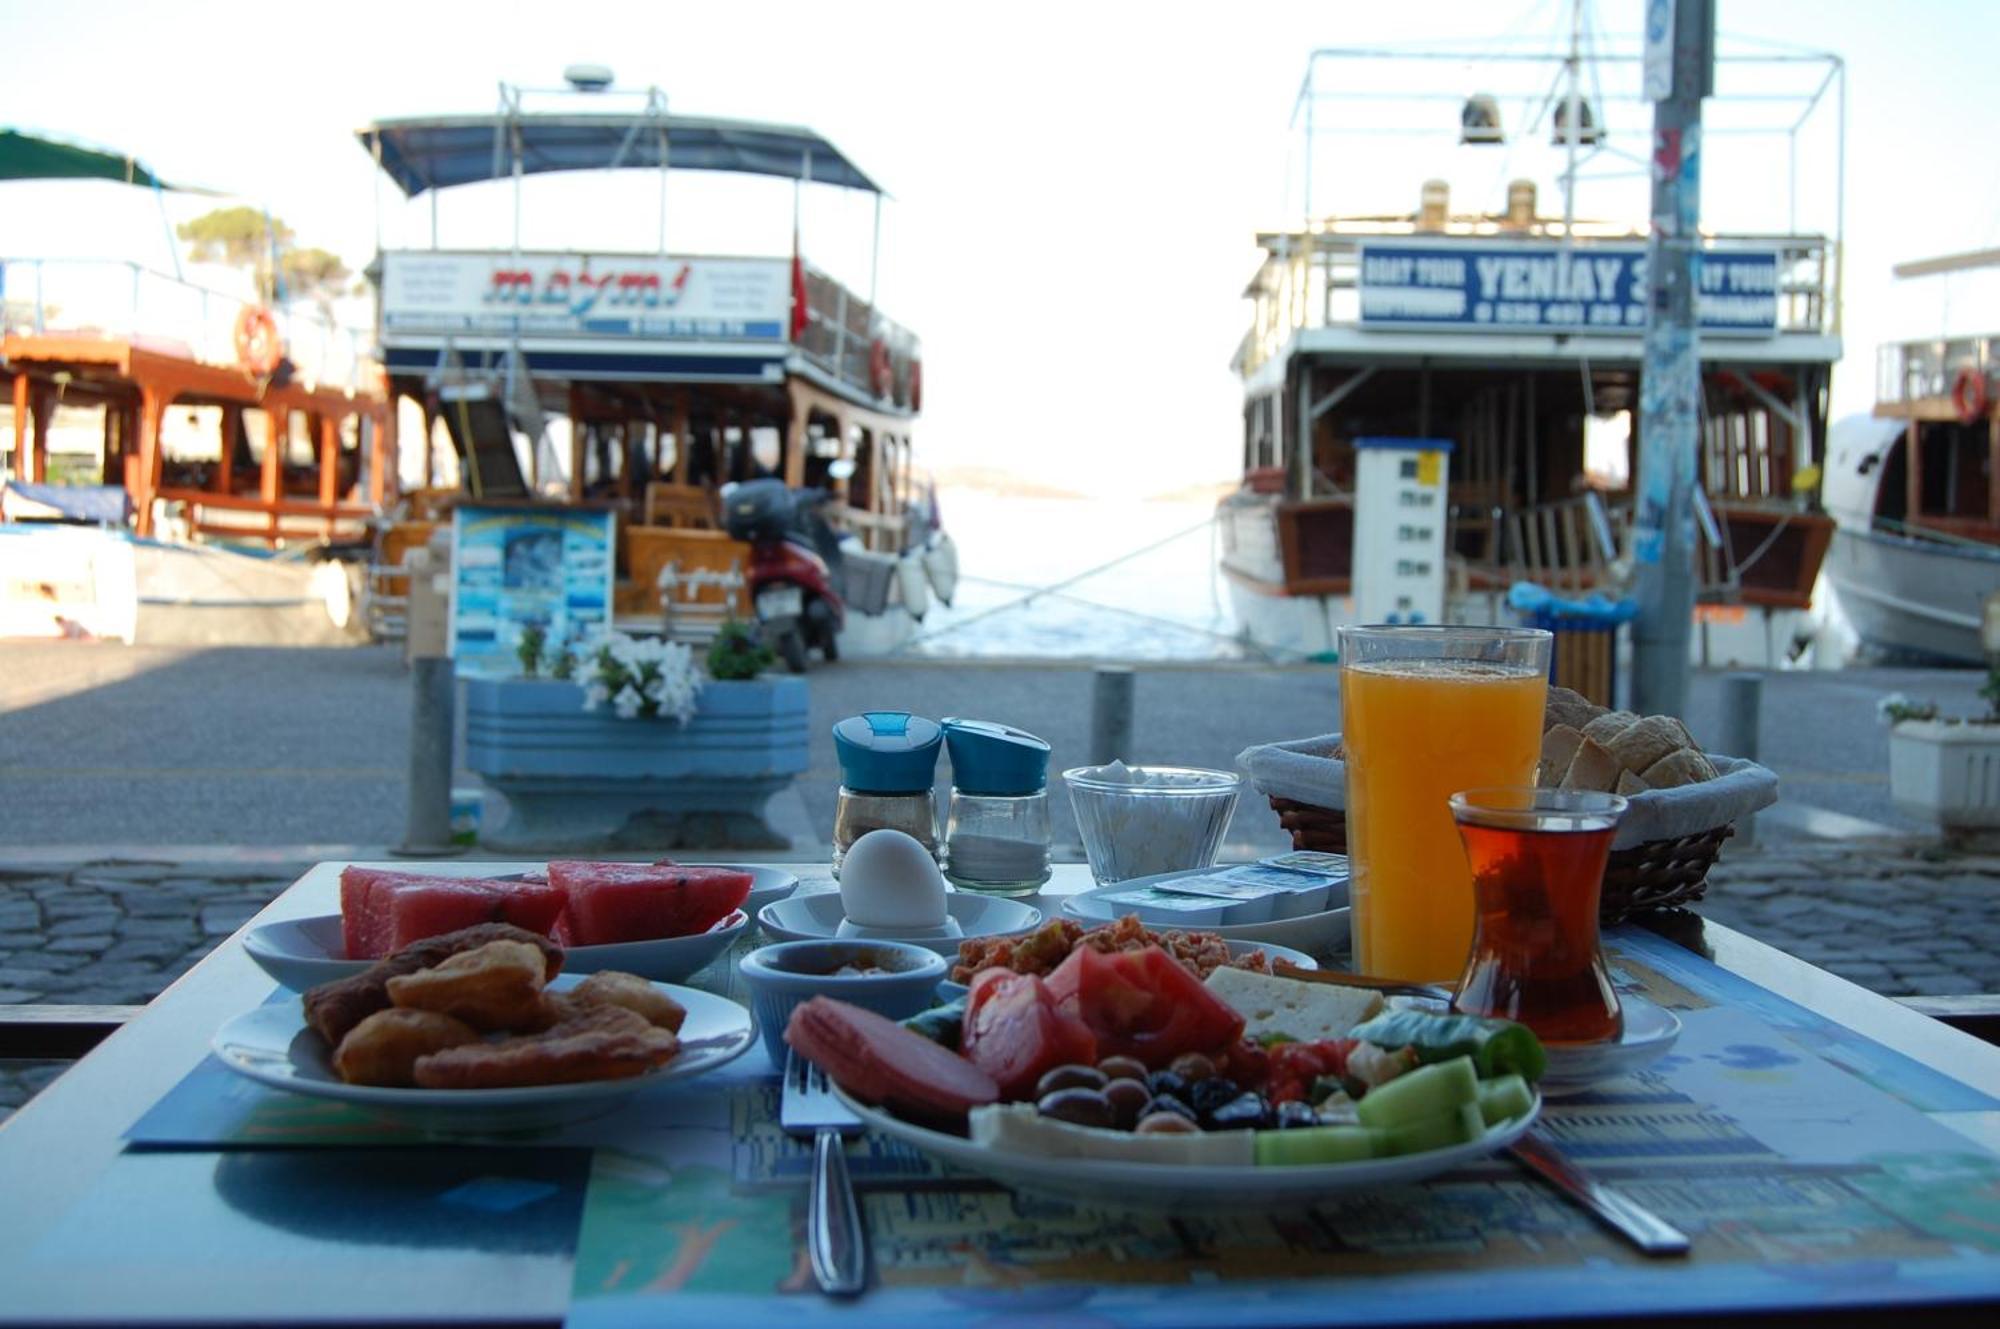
[(949, 991), (1117, 1184), (819, 916), (1318, 933), (302, 953), (272, 1045)]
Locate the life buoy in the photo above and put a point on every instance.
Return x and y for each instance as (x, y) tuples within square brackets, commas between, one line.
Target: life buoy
[(1968, 395), (257, 347), (916, 385), (881, 374)]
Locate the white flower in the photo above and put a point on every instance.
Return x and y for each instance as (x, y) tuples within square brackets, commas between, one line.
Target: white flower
[(595, 695), (627, 703)]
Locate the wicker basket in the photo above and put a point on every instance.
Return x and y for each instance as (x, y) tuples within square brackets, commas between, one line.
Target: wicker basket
[(1660, 874)]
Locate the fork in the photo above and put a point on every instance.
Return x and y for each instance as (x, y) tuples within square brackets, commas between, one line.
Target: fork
[(834, 1235)]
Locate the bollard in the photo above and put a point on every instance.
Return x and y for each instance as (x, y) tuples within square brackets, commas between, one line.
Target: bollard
[(1742, 697), (1111, 715), (428, 834)]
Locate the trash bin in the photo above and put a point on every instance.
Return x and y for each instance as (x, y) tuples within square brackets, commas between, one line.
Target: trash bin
[(1585, 655)]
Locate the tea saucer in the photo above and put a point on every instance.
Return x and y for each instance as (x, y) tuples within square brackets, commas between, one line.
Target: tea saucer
[(1649, 1031)]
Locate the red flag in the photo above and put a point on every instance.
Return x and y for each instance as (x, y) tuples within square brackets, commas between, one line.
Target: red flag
[(800, 316)]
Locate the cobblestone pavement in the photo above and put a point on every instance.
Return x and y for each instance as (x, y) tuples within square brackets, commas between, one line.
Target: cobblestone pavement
[(1898, 917)]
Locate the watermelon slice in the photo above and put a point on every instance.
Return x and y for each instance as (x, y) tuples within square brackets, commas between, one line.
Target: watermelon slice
[(619, 902), (382, 910)]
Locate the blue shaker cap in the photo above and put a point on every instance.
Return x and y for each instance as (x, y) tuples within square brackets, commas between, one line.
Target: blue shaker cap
[(995, 759), (887, 752)]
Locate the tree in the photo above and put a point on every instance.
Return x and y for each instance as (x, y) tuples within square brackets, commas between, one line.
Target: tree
[(246, 237)]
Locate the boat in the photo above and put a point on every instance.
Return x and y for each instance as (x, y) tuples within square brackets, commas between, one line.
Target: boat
[(1911, 487), (643, 380), (1492, 348), (224, 450)]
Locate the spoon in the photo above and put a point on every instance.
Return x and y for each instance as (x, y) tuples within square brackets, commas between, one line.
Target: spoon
[(1395, 987)]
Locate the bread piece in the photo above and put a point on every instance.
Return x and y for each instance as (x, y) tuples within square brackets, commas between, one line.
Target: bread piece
[(1683, 766), (496, 987), (1630, 784), (1681, 731), (1609, 725), (383, 1049), (1646, 742), (1569, 708), (1592, 768), (1559, 747)]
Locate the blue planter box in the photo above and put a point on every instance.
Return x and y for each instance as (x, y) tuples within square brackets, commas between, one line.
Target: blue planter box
[(577, 779)]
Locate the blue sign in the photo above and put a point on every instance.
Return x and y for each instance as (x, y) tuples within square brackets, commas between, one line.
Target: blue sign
[(527, 564), (1500, 287)]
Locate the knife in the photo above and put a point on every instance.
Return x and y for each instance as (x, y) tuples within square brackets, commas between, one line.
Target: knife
[(1628, 1218)]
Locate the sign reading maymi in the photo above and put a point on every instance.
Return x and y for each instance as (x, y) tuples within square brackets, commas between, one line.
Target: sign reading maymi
[(618, 295), (1489, 287)]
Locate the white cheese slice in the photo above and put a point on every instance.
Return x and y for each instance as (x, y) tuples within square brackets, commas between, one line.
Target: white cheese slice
[(1307, 1012), (1017, 1128)]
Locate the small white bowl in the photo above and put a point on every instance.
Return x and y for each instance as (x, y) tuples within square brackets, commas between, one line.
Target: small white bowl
[(781, 977), (818, 917)]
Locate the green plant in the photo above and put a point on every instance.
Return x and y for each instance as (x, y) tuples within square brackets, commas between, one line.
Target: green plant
[(1991, 691), (737, 653), (564, 667), (529, 648)]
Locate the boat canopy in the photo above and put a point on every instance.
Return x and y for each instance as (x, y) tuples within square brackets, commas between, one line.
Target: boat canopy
[(28, 157), (437, 152)]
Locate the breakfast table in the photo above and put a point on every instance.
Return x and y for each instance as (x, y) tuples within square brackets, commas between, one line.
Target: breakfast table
[(1833, 1153)]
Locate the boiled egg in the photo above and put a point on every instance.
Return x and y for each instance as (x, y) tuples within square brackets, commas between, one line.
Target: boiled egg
[(889, 881)]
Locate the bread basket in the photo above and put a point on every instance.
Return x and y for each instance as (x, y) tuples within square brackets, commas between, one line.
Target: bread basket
[(1666, 844)]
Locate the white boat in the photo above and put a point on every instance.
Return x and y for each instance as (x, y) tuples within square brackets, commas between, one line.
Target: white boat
[(1513, 338), (1916, 549)]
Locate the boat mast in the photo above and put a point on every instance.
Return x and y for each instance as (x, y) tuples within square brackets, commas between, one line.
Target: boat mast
[(1573, 69)]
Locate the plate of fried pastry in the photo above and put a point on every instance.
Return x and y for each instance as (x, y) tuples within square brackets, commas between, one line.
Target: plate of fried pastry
[(479, 1031)]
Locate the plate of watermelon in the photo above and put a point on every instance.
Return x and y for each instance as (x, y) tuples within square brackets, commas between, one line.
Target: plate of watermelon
[(660, 921)]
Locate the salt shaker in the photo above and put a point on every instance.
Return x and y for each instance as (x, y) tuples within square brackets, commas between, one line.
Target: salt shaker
[(888, 761), (997, 828)]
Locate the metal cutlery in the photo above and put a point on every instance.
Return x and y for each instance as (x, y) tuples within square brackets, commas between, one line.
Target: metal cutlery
[(1623, 1215), (834, 1235), (1390, 986)]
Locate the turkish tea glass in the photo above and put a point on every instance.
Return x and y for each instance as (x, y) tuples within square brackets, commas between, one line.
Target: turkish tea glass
[(1537, 859)]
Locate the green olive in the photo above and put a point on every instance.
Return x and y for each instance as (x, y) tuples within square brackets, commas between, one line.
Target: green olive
[(1165, 1123), (1079, 1107), (1073, 1076), (1122, 1068), (1192, 1067)]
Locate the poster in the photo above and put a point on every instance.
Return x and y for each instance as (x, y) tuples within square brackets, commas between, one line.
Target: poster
[(516, 565)]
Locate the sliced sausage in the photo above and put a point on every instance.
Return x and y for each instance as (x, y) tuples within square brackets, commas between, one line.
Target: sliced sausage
[(880, 1062)]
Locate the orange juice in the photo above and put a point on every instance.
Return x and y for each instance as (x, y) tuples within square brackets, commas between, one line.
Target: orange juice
[(1416, 732)]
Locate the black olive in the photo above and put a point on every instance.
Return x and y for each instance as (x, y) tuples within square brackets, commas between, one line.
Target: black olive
[(1079, 1107), (1162, 1103), (1128, 1099), (1168, 1084), (1069, 1077), (1244, 1112), (1296, 1113), (1212, 1093)]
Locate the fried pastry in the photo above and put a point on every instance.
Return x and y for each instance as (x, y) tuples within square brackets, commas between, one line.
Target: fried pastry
[(612, 988), (383, 1049), (332, 1009), (496, 987), (608, 1043)]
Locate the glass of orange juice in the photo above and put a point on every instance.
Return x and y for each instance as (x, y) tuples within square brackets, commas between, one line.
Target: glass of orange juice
[(1426, 712)]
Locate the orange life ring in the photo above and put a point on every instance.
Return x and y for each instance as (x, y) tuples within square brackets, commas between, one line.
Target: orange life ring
[(1968, 394), (881, 375), (257, 347), (916, 385)]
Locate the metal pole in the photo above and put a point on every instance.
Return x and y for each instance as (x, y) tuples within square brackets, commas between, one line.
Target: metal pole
[(1111, 715), (1742, 699), (1670, 380), (431, 691), (1573, 65)]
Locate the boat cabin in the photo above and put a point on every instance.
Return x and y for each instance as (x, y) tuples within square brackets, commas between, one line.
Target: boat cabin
[(1939, 479)]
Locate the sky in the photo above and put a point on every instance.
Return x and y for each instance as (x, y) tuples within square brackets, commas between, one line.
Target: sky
[(1075, 187)]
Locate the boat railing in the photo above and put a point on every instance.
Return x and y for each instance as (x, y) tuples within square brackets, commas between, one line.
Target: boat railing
[(840, 335), (1915, 371), (1312, 279), (119, 298)]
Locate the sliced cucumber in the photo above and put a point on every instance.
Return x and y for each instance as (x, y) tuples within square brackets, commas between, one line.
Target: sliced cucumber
[(1427, 1133), (1308, 1145), (1506, 1097), (1428, 1091), (1473, 1123)]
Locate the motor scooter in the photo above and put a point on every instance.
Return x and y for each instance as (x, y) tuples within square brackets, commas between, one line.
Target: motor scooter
[(795, 566)]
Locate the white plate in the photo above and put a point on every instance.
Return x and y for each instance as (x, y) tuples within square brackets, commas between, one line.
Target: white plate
[(818, 916), (302, 953), (1317, 934), (949, 991), (273, 1046), (1650, 1030), (1105, 1183)]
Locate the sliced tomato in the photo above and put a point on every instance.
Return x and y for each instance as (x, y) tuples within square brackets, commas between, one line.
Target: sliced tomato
[(1143, 1004), (1015, 1032)]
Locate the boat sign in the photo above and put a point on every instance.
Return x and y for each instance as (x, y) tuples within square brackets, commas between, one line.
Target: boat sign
[(1601, 288), (584, 295)]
